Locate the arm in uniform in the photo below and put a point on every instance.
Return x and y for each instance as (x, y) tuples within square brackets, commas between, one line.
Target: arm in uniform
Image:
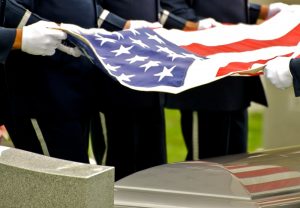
[(17, 16), (6, 43), (178, 14), (254, 11), (295, 71), (264, 12), (112, 22), (182, 12), (180, 8), (6, 34), (109, 21)]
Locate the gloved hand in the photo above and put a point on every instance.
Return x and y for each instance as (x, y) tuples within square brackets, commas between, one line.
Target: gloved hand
[(73, 28), (135, 24), (207, 23), (76, 29), (275, 8), (278, 72), (41, 38)]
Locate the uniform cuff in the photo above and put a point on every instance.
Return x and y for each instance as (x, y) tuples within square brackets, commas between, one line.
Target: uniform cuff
[(110, 21), (6, 45), (295, 71), (254, 10), (169, 20)]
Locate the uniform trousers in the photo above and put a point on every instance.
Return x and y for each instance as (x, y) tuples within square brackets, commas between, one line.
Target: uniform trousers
[(136, 139), (59, 138)]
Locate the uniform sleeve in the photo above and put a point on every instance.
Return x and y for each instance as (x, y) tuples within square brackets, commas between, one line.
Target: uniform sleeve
[(254, 10), (295, 70), (7, 37), (174, 14), (112, 22), (108, 20), (180, 8), (17, 16), (169, 20)]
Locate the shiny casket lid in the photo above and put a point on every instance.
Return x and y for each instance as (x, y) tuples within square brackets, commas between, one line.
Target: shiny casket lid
[(188, 184), (266, 179)]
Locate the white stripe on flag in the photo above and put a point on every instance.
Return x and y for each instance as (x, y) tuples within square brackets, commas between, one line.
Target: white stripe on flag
[(251, 168), (266, 179), (230, 34), (270, 178)]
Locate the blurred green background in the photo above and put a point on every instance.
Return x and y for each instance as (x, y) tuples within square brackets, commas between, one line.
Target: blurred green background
[(175, 144)]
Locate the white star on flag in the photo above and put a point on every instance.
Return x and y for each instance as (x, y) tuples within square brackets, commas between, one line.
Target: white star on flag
[(164, 49), (137, 58), (119, 35), (156, 38), (122, 50), (126, 78), (165, 73), (104, 40), (175, 55), (112, 68), (150, 64), (134, 32), (139, 42)]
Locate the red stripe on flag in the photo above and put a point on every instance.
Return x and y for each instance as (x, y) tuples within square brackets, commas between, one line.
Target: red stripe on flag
[(262, 172), (238, 66), (241, 66), (290, 39), (269, 186)]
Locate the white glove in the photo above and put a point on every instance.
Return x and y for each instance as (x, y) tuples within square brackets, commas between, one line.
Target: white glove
[(73, 28), (41, 38), (278, 72), (76, 29), (136, 24), (207, 23), (275, 8)]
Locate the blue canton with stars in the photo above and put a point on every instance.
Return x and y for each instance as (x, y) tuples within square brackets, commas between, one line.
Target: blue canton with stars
[(139, 57)]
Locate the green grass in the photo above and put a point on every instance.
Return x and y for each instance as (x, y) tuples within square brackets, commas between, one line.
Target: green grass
[(255, 131), (175, 144)]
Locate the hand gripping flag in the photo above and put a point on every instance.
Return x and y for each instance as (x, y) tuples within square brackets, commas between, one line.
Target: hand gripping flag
[(173, 60)]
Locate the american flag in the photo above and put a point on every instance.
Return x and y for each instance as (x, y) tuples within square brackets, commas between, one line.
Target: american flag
[(173, 60), (262, 180)]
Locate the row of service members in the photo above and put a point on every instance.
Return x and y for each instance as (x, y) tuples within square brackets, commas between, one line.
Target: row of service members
[(64, 93)]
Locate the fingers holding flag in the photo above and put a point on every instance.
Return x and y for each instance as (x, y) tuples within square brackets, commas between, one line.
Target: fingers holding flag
[(79, 30), (275, 8), (136, 24), (72, 29), (277, 71), (207, 23), (41, 38)]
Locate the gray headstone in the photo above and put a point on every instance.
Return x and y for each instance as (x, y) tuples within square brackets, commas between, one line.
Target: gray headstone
[(31, 180), (281, 118)]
